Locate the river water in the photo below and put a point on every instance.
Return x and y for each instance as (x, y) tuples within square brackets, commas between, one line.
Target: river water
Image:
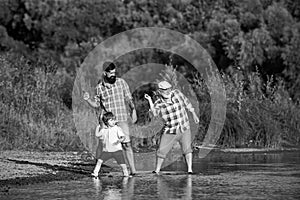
[(217, 176)]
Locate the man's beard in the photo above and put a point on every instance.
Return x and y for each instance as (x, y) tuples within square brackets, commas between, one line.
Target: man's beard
[(110, 80)]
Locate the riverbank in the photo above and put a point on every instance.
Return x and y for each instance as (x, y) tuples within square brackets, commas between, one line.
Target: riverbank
[(29, 167)]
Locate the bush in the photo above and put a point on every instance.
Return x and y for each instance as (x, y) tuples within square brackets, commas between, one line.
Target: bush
[(262, 115), (32, 112)]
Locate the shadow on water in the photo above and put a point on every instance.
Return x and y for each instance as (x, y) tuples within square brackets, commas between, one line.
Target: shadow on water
[(218, 176)]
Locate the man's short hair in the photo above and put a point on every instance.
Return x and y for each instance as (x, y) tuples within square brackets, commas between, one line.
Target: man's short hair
[(107, 116), (108, 66)]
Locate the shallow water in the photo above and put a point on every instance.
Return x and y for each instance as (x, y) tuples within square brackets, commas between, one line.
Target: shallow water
[(218, 176)]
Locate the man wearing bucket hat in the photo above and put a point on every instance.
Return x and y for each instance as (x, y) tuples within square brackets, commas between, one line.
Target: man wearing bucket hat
[(172, 105), (112, 94)]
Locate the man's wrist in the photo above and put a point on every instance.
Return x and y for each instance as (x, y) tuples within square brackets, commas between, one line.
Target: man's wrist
[(151, 109)]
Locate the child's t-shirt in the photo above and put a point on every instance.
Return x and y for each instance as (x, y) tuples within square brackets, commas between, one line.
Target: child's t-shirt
[(110, 135)]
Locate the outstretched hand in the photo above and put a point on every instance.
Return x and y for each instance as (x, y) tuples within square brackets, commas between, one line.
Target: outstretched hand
[(147, 97), (86, 96)]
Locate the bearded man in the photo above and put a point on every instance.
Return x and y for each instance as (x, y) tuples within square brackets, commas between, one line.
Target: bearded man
[(112, 94)]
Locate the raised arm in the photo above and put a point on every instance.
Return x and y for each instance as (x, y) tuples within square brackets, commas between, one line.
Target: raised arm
[(98, 132), (153, 109), (86, 97)]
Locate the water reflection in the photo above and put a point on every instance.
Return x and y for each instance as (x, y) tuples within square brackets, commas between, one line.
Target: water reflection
[(167, 187), (98, 186), (173, 188), (125, 190), (223, 176), (128, 187)]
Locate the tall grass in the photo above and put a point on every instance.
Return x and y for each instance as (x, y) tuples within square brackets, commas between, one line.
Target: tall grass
[(259, 113), (33, 115)]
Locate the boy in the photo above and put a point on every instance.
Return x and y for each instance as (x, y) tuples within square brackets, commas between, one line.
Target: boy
[(171, 105), (111, 136)]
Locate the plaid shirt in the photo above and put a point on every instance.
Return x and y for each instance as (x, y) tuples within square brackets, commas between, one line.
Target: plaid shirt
[(113, 97), (174, 114)]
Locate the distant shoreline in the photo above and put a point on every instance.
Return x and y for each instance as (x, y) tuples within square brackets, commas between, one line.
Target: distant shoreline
[(247, 150)]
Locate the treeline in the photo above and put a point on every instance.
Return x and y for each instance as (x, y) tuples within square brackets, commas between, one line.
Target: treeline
[(254, 43)]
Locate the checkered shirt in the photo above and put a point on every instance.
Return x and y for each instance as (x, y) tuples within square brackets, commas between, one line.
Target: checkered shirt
[(174, 114), (113, 97)]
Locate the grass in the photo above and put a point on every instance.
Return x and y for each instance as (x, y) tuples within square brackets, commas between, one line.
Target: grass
[(257, 118), (34, 115)]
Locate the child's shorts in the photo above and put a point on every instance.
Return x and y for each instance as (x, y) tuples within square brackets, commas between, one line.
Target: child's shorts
[(117, 155)]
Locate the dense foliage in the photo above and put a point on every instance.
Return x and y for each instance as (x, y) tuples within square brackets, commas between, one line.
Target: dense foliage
[(254, 43)]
